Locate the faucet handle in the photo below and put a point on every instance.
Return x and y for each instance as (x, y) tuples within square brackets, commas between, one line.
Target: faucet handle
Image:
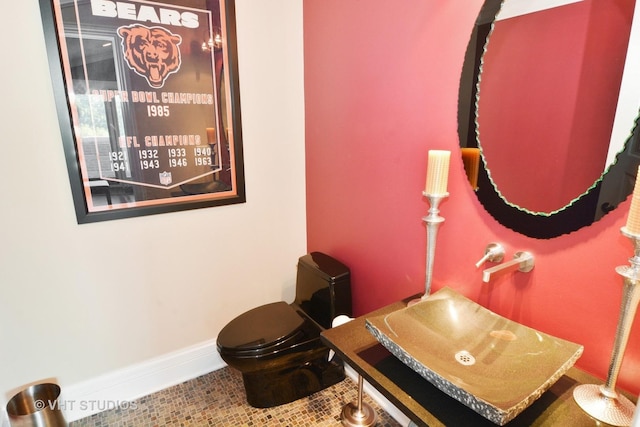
[(494, 252)]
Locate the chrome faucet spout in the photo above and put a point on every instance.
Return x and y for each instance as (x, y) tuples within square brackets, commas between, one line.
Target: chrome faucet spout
[(522, 261)]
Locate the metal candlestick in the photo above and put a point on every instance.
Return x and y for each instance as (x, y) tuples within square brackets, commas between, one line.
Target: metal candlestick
[(602, 402), (433, 221)]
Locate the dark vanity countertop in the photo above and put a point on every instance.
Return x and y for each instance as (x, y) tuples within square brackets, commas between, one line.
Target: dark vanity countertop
[(425, 405)]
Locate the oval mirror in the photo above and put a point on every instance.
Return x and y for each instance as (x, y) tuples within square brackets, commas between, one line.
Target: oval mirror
[(547, 114)]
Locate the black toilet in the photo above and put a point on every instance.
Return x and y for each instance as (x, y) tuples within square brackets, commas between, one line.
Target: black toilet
[(277, 346)]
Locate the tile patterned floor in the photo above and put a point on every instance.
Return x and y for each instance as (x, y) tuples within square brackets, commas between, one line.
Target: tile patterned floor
[(218, 399)]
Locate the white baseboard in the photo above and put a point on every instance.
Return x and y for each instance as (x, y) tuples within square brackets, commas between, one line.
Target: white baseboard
[(124, 386), (121, 388)]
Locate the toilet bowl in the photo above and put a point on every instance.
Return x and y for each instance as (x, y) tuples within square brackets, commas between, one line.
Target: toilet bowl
[(277, 346)]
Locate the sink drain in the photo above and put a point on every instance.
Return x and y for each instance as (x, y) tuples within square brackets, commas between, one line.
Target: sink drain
[(465, 358)]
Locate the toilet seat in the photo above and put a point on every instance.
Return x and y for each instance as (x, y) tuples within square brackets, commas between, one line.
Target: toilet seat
[(261, 331)]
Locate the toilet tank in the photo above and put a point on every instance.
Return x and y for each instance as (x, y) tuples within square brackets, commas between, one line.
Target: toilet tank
[(323, 288)]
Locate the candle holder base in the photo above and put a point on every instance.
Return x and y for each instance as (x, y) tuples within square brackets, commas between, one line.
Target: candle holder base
[(604, 405), (417, 300)]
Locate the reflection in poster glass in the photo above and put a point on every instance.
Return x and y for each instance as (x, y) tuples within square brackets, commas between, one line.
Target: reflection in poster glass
[(147, 125)]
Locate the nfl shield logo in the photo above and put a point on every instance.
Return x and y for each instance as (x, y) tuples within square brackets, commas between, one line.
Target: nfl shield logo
[(165, 178)]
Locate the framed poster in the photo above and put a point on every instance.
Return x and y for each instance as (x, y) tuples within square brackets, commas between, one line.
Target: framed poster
[(147, 96)]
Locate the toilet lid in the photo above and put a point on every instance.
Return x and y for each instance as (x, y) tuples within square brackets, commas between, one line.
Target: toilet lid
[(260, 327)]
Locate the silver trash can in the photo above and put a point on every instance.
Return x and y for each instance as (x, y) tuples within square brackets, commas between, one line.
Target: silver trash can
[(36, 406)]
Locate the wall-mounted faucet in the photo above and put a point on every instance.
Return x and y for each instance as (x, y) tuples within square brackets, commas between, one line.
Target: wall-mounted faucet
[(494, 253), (522, 261)]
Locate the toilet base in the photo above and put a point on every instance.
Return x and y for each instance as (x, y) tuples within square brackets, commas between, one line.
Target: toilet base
[(268, 389)]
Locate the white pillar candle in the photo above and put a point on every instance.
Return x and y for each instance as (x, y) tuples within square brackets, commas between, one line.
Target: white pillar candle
[(633, 220), (437, 172)]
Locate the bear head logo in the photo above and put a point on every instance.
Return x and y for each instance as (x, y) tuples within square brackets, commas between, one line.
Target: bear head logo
[(152, 52)]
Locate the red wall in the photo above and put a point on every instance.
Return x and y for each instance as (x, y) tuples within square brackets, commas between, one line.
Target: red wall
[(381, 82)]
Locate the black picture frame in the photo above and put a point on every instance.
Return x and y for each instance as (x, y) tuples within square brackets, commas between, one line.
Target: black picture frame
[(148, 102)]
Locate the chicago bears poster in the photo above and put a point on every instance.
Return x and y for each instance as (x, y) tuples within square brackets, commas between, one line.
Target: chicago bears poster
[(152, 104)]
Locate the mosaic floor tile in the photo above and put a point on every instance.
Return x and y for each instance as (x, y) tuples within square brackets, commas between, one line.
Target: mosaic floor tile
[(218, 399)]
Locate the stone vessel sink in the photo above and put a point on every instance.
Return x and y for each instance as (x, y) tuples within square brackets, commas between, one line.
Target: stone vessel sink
[(491, 364)]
